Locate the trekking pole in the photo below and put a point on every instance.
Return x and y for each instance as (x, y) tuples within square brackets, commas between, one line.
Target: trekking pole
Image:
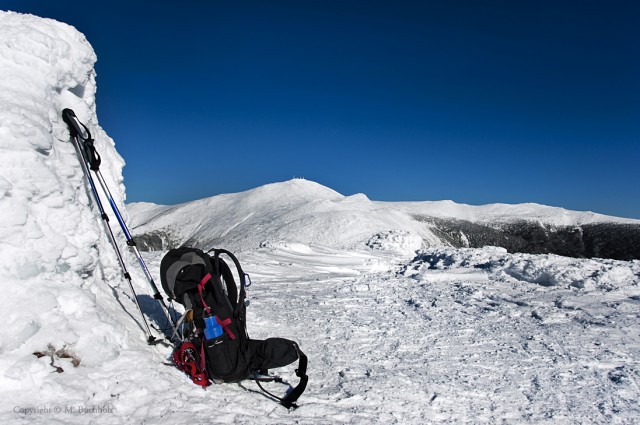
[(91, 160), (74, 136)]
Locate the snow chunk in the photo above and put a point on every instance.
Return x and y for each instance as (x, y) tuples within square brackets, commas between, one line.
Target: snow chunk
[(395, 240), (544, 270)]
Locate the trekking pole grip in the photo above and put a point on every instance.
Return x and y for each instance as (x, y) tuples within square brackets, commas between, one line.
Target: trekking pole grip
[(69, 117)]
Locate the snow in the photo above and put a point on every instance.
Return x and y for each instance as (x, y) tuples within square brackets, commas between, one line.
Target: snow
[(397, 329), (297, 210), (61, 279), (505, 213), (306, 212)]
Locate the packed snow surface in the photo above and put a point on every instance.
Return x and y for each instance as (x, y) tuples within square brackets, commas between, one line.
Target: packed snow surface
[(395, 332)]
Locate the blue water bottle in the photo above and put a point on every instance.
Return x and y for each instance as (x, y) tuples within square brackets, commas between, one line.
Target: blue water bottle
[(212, 328)]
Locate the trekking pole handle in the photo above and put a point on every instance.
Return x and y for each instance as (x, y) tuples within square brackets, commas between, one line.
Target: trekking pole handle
[(70, 118)]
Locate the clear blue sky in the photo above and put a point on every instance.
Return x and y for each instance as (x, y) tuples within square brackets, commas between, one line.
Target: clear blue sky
[(474, 101)]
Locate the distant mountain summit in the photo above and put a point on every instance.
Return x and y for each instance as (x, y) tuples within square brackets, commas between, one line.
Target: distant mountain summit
[(303, 211), (297, 210)]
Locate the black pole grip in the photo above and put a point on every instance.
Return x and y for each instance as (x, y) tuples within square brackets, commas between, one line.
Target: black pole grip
[(90, 153), (69, 117)]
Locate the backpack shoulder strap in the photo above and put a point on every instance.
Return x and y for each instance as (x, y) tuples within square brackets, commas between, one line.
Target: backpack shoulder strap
[(227, 277), (289, 401), (236, 297)]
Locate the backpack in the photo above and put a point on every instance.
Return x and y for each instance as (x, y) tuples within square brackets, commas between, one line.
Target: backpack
[(217, 347)]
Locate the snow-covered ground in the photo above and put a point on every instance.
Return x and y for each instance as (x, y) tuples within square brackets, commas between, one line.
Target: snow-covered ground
[(396, 332), (458, 336)]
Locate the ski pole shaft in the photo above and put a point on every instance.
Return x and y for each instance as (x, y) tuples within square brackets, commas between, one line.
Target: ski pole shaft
[(130, 241)]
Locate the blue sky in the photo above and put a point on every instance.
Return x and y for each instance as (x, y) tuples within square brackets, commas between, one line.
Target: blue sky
[(478, 102)]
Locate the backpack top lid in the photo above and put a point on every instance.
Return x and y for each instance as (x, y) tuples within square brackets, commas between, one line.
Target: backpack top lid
[(182, 270), (173, 262)]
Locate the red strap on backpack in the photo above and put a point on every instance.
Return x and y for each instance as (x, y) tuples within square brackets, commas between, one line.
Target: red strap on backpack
[(204, 280), (224, 323)]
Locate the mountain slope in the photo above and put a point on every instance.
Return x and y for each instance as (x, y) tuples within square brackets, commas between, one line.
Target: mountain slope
[(307, 212), (295, 211), (508, 213)]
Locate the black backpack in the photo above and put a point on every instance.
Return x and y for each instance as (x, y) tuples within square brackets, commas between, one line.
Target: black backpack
[(217, 346)]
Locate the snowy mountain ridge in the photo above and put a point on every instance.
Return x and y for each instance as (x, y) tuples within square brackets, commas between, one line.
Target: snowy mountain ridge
[(306, 212), (298, 210), (506, 213)]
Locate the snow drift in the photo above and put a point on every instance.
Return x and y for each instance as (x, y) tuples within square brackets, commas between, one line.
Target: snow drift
[(60, 278), (50, 238)]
